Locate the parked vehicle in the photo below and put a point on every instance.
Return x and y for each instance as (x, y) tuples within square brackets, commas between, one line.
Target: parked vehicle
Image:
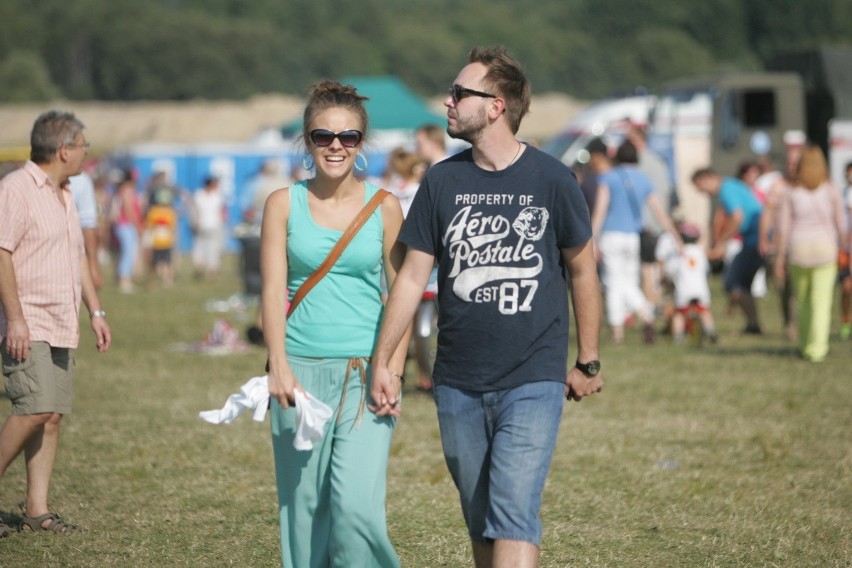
[(720, 122), (724, 120), (827, 76), (608, 119)]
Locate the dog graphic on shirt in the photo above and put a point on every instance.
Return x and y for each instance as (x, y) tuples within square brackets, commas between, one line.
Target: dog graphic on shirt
[(531, 223)]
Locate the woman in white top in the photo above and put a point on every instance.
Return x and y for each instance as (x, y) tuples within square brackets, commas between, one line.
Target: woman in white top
[(209, 228)]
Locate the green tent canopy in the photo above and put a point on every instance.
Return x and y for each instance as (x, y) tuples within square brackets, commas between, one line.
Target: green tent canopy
[(391, 106)]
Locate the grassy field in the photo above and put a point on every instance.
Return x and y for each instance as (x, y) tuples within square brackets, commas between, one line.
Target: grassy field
[(737, 454)]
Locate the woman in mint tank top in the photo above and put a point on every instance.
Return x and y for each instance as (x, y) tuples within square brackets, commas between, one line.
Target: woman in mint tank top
[(332, 497)]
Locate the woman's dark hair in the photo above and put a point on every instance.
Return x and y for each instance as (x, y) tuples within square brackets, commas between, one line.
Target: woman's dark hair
[(744, 167), (331, 94), (626, 153)]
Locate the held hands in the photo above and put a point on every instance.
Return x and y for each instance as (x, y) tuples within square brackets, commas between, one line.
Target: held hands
[(578, 385), (385, 391)]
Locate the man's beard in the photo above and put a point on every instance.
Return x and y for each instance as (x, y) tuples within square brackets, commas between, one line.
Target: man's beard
[(468, 129)]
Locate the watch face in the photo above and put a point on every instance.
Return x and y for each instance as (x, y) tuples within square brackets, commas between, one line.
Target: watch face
[(591, 368)]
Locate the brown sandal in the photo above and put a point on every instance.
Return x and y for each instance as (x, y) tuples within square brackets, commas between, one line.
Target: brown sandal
[(56, 525)]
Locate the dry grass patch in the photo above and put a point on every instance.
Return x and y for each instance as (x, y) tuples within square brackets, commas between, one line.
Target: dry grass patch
[(732, 455)]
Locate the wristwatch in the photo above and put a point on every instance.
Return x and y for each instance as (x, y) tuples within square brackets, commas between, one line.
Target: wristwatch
[(590, 369)]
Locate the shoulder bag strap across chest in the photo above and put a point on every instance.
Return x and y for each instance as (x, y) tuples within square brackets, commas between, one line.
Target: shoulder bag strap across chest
[(337, 249)]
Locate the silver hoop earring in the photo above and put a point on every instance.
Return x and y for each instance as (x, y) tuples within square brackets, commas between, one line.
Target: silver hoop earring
[(308, 162), (364, 167)]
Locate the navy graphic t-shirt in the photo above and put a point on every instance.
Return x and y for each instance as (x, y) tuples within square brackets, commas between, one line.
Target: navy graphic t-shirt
[(503, 302)]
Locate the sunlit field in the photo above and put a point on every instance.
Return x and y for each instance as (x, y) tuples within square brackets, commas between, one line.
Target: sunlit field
[(735, 454)]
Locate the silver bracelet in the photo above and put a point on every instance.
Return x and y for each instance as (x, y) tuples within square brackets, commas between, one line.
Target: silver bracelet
[(397, 375), (97, 314)]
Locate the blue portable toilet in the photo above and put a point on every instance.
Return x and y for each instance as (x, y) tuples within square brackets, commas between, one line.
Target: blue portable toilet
[(187, 165)]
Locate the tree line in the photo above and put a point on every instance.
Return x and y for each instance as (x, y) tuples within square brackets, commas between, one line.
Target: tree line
[(232, 49)]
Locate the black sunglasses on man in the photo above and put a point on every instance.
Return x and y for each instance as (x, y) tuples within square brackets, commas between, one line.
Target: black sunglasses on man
[(457, 92)]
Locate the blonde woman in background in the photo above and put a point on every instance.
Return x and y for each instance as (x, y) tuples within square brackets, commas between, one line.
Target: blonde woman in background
[(405, 169), (811, 230)]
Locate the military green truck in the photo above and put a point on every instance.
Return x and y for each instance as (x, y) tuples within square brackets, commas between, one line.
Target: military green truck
[(721, 121), (827, 80)]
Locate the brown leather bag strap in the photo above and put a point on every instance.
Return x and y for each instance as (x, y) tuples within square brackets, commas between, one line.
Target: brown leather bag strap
[(338, 248)]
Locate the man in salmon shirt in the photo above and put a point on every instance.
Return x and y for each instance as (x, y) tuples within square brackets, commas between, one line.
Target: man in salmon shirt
[(44, 274)]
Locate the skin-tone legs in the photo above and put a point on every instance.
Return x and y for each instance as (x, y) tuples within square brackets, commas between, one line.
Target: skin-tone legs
[(505, 554), (708, 324), (40, 455), (37, 435), (617, 334), (650, 283)]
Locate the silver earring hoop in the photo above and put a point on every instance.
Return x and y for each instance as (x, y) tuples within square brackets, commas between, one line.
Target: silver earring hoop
[(364, 167), (308, 162)]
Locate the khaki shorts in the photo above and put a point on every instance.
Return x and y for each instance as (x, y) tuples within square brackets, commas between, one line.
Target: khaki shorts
[(40, 383)]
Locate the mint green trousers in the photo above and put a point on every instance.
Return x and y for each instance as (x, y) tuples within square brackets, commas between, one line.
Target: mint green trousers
[(332, 498), (814, 291)]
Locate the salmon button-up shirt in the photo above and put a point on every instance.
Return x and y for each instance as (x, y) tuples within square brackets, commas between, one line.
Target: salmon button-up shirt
[(46, 242)]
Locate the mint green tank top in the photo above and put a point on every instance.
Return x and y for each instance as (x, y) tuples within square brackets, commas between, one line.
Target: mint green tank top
[(340, 316)]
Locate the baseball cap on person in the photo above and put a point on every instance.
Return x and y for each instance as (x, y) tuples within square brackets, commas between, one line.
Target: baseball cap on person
[(689, 230), (795, 138)]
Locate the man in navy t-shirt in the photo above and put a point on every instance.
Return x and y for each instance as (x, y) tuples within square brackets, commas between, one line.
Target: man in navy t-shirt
[(504, 221)]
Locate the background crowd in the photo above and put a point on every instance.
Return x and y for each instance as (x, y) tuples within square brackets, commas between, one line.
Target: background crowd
[(776, 229), (784, 226)]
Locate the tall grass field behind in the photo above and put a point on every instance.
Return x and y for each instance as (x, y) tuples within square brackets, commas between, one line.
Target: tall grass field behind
[(737, 454)]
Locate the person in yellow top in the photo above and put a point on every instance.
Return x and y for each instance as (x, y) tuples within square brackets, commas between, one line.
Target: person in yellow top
[(161, 225)]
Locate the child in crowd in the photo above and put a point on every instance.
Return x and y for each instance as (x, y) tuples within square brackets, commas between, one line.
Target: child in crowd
[(161, 227), (687, 269)]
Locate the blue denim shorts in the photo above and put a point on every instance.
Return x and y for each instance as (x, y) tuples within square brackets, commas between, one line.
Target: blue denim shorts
[(498, 447)]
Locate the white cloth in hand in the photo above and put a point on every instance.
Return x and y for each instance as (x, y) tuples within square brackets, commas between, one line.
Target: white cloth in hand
[(311, 416), (254, 396)]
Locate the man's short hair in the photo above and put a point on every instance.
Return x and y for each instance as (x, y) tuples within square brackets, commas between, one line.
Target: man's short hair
[(506, 77), (51, 130), (702, 172)]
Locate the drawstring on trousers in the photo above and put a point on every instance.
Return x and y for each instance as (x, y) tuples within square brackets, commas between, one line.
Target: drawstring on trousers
[(352, 364)]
